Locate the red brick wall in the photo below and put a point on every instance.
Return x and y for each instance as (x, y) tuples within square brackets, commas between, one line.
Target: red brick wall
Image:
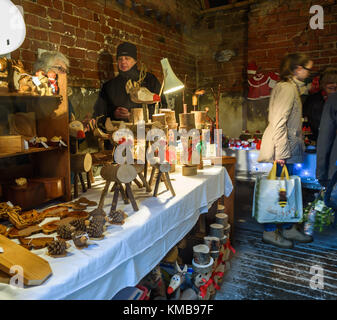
[(276, 29), (88, 32), (264, 33)]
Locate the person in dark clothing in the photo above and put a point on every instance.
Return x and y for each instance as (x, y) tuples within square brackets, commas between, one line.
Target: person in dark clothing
[(313, 106), (327, 142), (113, 100)]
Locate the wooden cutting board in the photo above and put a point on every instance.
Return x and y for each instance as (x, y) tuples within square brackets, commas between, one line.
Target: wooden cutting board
[(36, 269)]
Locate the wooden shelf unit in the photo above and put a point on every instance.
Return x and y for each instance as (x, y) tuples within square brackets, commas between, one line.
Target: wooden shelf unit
[(52, 119)]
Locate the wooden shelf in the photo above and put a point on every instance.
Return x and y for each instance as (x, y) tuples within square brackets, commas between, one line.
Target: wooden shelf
[(19, 97), (29, 151)]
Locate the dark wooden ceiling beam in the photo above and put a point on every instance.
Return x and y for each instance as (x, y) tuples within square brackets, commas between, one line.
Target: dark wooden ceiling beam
[(232, 5)]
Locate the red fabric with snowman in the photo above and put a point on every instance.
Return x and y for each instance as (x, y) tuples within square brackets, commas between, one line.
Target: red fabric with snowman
[(260, 84)]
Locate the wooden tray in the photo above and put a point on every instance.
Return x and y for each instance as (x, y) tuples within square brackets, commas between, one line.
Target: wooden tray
[(36, 269)]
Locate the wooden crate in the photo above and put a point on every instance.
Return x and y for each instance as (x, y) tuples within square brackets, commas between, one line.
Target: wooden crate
[(11, 144)]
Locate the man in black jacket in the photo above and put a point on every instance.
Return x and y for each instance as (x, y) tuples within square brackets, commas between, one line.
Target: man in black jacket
[(313, 105), (113, 100), (327, 142)]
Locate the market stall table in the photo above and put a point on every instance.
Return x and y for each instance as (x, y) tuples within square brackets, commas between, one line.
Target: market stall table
[(129, 251)]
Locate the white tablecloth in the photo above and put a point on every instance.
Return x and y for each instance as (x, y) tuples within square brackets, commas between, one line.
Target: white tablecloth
[(128, 252)]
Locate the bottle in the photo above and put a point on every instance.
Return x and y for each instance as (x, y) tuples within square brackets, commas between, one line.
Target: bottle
[(309, 224)]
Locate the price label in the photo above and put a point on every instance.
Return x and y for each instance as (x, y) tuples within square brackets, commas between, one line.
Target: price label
[(44, 144), (1, 250), (10, 204)]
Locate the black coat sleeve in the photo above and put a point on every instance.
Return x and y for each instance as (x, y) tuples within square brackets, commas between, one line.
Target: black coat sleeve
[(326, 138)]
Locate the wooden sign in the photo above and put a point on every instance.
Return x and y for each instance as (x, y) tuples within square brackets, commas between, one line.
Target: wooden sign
[(35, 269)]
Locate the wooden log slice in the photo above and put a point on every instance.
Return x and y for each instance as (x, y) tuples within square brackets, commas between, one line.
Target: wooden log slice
[(136, 115), (187, 120), (201, 254), (213, 243), (216, 230), (80, 162), (170, 115), (160, 117), (200, 119), (126, 173), (189, 170), (221, 218)]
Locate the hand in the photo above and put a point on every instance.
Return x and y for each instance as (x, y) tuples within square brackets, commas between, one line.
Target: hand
[(281, 162), (121, 113)]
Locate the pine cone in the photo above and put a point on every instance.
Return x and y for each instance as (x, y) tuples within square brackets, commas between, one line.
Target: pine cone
[(57, 247), (117, 217), (78, 224), (98, 219), (95, 230), (65, 231)]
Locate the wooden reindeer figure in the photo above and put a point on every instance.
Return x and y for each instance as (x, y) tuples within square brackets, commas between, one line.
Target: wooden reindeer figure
[(141, 95), (176, 281), (79, 162)]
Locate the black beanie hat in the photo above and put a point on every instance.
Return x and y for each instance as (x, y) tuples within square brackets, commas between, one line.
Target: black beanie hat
[(127, 49)]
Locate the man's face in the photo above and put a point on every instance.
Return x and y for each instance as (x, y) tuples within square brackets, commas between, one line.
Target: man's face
[(330, 88), (125, 63)]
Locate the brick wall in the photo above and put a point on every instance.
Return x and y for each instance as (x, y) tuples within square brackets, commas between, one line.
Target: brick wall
[(279, 27), (263, 32), (88, 32)]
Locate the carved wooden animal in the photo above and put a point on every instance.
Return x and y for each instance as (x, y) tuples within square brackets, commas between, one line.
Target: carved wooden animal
[(76, 128), (43, 88), (26, 85), (140, 94), (176, 281)]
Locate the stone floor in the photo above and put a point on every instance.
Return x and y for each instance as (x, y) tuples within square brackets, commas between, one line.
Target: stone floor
[(263, 272)]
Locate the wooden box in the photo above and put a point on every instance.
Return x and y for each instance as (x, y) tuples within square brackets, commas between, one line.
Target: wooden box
[(11, 144), (54, 187), (27, 197)]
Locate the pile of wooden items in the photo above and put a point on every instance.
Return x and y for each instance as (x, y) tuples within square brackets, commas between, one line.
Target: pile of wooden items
[(203, 277)]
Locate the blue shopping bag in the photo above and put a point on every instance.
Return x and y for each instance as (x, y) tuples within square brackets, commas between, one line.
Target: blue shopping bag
[(277, 199)]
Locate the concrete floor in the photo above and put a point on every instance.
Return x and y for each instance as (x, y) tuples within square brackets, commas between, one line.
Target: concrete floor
[(264, 272)]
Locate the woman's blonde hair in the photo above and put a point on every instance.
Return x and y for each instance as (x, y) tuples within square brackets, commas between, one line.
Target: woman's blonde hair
[(289, 64)]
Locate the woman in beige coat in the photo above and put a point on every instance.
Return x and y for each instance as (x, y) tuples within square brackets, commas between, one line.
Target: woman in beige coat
[(282, 140)]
